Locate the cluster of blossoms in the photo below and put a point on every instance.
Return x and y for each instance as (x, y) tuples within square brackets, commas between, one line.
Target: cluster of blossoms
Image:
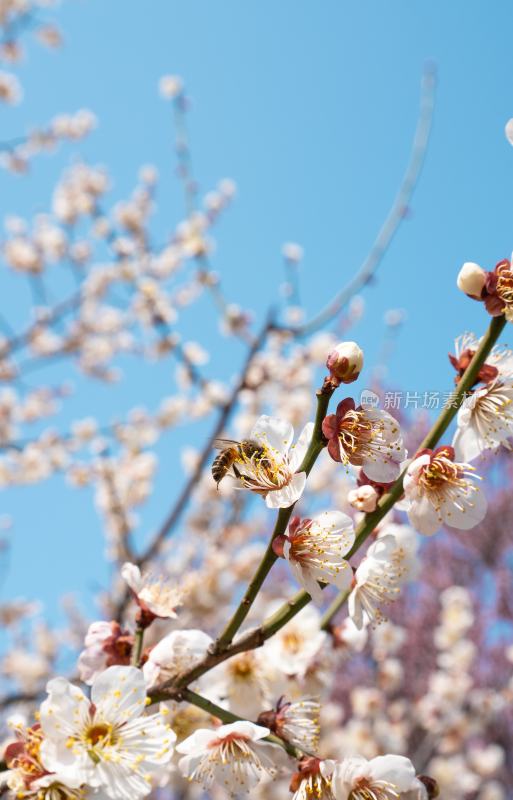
[(176, 700)]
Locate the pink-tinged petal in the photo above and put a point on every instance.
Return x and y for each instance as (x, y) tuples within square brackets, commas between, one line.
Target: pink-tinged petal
[(415, 468), (334, 449), (274, 433), (330, 426), (345, 405)]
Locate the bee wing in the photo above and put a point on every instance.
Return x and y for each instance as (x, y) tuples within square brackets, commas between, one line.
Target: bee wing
[(222, 444)]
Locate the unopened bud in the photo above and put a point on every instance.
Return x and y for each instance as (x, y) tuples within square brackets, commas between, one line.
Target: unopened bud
[(471, 279), (345, 362), (365, 498)]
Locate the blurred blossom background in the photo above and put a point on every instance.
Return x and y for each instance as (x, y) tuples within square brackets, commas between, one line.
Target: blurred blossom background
[(290, 126)]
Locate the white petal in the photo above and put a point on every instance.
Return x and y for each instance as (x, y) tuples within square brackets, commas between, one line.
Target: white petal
[(308, 581), (397, 770), (277, 434), (283, 498), (119, 693), (336, 522), (65, 709), (298, 451), (473, 510), (423, 516), (467, 444), (131, 574)]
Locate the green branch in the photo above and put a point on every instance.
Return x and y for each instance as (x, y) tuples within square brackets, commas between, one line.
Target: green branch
[(227, 717)]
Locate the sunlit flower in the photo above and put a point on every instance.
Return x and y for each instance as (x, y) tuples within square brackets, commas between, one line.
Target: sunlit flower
[(242, 683), (106, 742), (28, 777), (365, 437), (232, 756), (381, 778), (485, 420), (294, 646), (315, 549), (176, 652), (377, 581), (153, 594), (297, 723), (313, 779), (441, 491), (270, 467)]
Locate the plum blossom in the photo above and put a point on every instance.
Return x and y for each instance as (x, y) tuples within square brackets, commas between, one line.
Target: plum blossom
[(106, 742), (27, 776), (106, 644), (485, 420), (294, 646), (232, 756), (153, 594), (313, 779), (271, 468), (179, 650), (243, 683), (377, 581), (315, 549), (440, 490), (365, 437), (381, 778), (297, 723)]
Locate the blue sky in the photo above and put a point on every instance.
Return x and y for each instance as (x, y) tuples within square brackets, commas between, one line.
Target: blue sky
[(310, 108)]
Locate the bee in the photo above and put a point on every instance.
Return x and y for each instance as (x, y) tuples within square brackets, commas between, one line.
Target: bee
[(233, 452)]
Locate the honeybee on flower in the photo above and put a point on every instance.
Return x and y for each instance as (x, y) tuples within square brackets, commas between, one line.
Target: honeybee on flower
[(267, 462)]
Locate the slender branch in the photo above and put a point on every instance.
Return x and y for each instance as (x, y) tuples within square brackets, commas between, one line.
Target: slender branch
[(317, 443), (226, 716), (332, 610), (138, 646), (395, 216), (256, 637)]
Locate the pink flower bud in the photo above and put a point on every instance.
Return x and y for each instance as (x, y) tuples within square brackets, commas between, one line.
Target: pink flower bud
[(345, 362), (471, 279), (364, 498)]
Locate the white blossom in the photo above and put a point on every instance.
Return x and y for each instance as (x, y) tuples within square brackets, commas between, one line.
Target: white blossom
[(107, 742)]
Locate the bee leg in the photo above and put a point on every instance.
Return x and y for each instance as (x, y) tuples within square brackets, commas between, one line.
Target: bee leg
[(236, 471)]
